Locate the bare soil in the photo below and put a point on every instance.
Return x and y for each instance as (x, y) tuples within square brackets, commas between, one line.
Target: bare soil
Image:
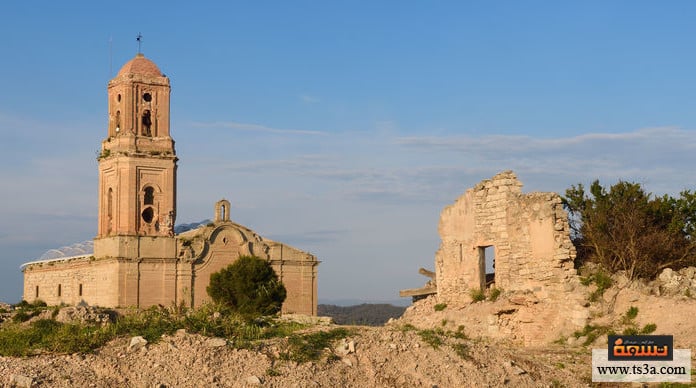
[(382, 357), (399, 354)]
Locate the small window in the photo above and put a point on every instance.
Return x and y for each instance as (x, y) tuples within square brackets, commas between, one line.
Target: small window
[(79, 290), (149, 197), (118, 98), (59, 290), (147, 97), (147, 123), (37, 291)]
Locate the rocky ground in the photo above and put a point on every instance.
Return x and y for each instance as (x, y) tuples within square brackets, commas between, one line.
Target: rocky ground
[(370, 357), (427, 347)]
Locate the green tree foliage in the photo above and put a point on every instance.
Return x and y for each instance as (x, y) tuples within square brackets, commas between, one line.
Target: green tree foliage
[(625, 228), (248, 286)]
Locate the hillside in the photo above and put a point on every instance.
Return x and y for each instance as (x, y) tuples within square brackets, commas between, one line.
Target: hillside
[(369, 357), (363, 314)]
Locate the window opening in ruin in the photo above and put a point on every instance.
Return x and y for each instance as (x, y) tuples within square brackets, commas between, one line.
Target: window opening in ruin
[(147, 97), (487, 266), (149, 197), (37, 291), (59, 290), (110, 203), (80, 290), (223, 212), (147, 123), (148, 215)]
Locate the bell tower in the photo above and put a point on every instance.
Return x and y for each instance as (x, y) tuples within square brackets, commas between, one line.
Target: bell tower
[(137, 167)]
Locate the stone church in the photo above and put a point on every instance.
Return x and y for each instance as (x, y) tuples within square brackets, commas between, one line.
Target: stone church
[(138, 259)]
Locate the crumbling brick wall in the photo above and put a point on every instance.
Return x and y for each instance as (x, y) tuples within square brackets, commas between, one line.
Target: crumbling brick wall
[(529, 233)]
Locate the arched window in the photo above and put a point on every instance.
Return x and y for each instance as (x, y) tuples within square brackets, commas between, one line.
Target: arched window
[(118, 121), (147, 123), (149, 197)]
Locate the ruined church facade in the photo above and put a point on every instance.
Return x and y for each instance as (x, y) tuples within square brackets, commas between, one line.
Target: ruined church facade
[(138, 260)]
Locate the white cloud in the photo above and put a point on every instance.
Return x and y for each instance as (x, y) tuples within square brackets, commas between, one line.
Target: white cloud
[(255, 128), (308, 99)]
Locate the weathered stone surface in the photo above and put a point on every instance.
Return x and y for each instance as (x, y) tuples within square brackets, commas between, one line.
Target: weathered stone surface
[(533, 259), (136, 343), (529, 233), (83, 314), (21, 381), (216, 342), (253, 380)]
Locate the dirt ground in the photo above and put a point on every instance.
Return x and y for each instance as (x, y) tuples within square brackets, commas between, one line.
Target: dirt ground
[(399, 354), (382, 357)]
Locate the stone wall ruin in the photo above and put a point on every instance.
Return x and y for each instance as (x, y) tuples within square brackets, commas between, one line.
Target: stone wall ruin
[(529, 234), (495, 236)]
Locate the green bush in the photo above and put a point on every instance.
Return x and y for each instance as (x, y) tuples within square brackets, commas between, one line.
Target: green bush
[(649, 328), (477, 295), (624, 228), (432, 337), (49, 335), (600, 278), (495, 294), (310, 347), (249, 286), (440, 306)]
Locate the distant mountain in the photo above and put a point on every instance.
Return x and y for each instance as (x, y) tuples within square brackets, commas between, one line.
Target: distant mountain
[(353, 302), (363, 314)]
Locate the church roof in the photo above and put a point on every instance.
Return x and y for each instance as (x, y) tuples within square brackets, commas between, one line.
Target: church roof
[(140, 65)]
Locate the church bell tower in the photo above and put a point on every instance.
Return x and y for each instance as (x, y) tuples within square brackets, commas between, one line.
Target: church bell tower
[(137, 167)]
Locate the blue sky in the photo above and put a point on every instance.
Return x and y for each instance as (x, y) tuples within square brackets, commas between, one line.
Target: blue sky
[(344, 128)]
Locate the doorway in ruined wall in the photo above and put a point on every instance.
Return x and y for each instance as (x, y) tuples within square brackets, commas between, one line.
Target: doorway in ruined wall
[(486, 266)]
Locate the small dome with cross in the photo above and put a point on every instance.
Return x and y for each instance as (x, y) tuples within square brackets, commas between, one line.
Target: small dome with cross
[(140, 65)]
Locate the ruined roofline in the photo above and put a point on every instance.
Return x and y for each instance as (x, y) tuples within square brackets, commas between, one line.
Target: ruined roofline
[(56, 260)]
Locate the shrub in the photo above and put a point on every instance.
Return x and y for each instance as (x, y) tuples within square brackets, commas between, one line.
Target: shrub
[(432, 337), (649, 328), (462, 351), (626, 229), (440, 306), (249, 286), (477, 295), (602, 280), (310, 347), (495, 294)]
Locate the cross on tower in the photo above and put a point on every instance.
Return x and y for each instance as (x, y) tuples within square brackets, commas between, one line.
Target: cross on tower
[(139, 38)]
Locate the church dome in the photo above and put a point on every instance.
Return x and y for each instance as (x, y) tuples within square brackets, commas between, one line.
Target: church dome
[(140, 65)]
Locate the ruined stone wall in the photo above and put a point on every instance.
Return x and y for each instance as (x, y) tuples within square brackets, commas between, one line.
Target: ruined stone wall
[(298, 272), (529, 233), (88, 280)]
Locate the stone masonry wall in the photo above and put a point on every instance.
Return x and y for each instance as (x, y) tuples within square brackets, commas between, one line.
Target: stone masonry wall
[(532, 248), (529, 233)]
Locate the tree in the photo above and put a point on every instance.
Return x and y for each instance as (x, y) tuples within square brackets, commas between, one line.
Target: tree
[(627, 229), (249, 286)]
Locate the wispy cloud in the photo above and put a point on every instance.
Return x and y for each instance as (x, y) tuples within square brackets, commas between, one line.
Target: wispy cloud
[(510, 143), (308, 99), (255, 128)]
